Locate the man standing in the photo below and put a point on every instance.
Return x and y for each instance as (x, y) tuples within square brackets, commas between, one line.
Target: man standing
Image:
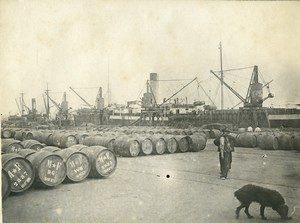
[(225, 149)]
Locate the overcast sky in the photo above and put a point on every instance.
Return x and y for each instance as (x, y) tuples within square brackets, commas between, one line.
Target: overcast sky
[(81, 43)]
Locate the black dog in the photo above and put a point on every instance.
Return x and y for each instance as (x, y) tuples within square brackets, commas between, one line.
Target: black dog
[(265, 197)]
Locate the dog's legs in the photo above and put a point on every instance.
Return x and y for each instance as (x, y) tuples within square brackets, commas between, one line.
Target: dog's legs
[(262, 212), (247, 211), (238, 209)]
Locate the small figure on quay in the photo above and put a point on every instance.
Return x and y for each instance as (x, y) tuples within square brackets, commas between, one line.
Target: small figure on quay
[(225, 145), (250, 129), (257, 129)]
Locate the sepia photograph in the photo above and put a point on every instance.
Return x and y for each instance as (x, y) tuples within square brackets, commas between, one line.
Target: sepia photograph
[(150, 111)]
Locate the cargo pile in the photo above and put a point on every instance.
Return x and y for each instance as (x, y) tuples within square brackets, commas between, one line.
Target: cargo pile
[(269, 140), (44, 158)]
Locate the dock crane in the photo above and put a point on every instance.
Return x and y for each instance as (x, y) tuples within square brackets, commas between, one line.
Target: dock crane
[(88, 104), (254, 97)]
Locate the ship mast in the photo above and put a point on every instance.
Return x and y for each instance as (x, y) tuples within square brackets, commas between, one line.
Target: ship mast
[(222, 78)]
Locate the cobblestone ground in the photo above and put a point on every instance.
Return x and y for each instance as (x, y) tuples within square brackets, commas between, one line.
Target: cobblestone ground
[(166, 188)]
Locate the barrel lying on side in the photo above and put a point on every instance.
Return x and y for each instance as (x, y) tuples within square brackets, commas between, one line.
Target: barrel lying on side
[(7, 133), (127, 147), (197, 142), (285, 142), (159, 144), (77, 162), (10, 145), (247, 140), (6, 185), (103, 161), (20, 171), (50, 168), (26, 152), (269, 142), (172, 145), (182, 143), (31, 144), (145, 144), (106, 141), (63, 140), (296, 142), (51, 149)]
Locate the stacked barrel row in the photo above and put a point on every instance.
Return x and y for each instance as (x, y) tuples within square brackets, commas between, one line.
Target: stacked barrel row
[(50, 166), (145, 143), (269, 140), (210, 133)]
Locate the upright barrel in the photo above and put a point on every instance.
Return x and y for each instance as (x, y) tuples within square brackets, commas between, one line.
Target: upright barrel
[(49, 167), (103, 161), (77, 162), (20, 171)]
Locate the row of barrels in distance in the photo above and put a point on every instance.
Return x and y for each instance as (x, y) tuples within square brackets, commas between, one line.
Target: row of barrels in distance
[(268, 140), (121, 144), (21, 134), (50, 166)]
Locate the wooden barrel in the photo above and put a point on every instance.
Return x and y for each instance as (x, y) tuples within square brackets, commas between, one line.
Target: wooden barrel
[(51, 149), (296, 142), (63, 140), (20, 171), (32, 144), (67, 140), (80, 137), (49, 167), (18, 135), (7, 133), (77, 162), (36, 135), (103, 161), (285, 141), (127, 147), (241, 130), (78, 146), (106, 141), (183, 143), (24, 134), (46, 138), (269, 142), (145, 144), (214, 133), (246, 139), (6, 185), (172, 145), (197, 142), (26, 152), (207, 133), (10, 145), (159, 144)]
